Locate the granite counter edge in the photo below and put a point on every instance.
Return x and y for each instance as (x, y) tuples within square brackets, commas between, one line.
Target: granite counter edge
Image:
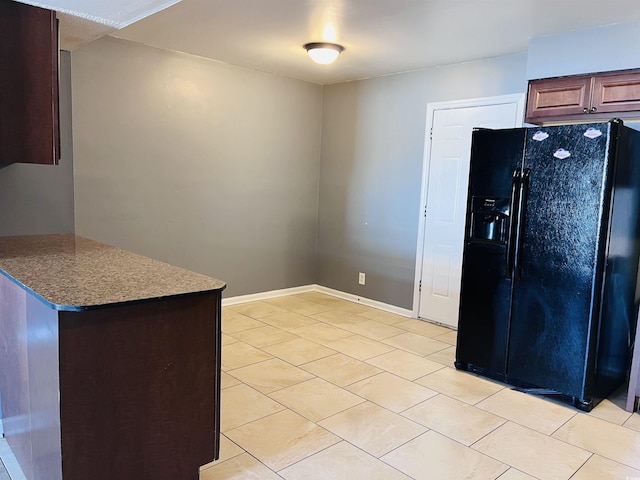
[(85, 307)]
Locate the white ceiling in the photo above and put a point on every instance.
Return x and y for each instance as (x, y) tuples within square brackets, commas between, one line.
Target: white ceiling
[(380, 36)]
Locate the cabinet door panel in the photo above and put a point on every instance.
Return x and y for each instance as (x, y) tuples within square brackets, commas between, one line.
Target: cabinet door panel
[(29, 84), (557, 97), (617, 93)]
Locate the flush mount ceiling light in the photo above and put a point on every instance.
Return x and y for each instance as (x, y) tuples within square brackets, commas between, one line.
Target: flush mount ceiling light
[(322, 52)]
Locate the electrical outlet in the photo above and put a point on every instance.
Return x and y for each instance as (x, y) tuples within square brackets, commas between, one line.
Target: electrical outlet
[(361, 278)]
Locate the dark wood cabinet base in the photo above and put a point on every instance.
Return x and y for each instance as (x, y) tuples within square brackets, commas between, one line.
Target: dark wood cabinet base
[(138, 385)]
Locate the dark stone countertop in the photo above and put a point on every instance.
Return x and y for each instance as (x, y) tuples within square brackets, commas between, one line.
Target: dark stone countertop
[(74, 273)]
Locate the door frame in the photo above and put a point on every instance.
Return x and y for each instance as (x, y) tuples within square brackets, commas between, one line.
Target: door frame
[(432, 107)]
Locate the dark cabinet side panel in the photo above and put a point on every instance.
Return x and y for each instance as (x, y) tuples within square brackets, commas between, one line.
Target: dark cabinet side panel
[(139, 387)]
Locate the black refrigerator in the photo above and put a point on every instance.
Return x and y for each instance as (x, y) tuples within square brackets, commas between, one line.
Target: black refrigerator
[(550, 264)]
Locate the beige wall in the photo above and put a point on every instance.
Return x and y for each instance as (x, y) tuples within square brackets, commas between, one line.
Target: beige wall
[(198, 163)]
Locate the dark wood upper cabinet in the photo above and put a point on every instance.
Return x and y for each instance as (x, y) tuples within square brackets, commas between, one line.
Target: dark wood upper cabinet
[(557, 97), (29, 130), (617, 92), (584, 97)]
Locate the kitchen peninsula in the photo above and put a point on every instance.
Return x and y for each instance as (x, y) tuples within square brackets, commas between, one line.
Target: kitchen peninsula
[(109, 361)]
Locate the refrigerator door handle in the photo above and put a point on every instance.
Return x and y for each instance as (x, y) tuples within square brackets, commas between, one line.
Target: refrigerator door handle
[(513, 220), (522, 203)]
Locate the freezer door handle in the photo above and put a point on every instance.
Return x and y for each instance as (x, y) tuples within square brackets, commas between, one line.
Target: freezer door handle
[(513, 220), (522, 204)]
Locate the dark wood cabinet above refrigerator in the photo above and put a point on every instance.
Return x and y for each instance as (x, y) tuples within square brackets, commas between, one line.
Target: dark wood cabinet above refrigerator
[(584, 98), (29, 130)]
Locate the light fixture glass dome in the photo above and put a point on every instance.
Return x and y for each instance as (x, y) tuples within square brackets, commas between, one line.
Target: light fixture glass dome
[(323, 53)]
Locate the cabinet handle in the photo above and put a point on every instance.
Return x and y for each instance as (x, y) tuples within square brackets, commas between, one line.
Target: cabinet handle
[(593, 110), (585, 110)]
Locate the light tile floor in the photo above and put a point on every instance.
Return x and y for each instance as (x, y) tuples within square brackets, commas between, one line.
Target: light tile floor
[(316, 387)]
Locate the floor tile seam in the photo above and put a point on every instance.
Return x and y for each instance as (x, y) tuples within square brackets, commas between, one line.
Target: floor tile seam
[(263, 349), (265, 465), (274, 391), (340, 327), (583, 464), (488, 397), (395, 348), (227, 432), (304, 362), (379, 457), (465, 446), (425, 335), (632, 418), (328, 325), (309, 456), (315, 377), (517, 470), (218, 462), (422, 376), (473, 445), (470, 445), (504, 420), (317, 422), (369, 454), (601, 454), (268, 394), (284, 407), (436, 371), (248, 364), (404, 319), (387, 408), (550, 435), (259, 319), (385, 340), (231, 334), (271, 344), (348, 384), (332, 383), (417, 331), (363, 360), (366, 400), (575, 413), (338, 440), (424, 433), (591, 415)]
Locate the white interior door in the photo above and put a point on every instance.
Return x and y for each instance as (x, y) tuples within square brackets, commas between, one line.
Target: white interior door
[(447, 156)]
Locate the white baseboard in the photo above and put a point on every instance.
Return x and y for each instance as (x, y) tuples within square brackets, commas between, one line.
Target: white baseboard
[(320, 289), (254, 297), (364, 301)]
